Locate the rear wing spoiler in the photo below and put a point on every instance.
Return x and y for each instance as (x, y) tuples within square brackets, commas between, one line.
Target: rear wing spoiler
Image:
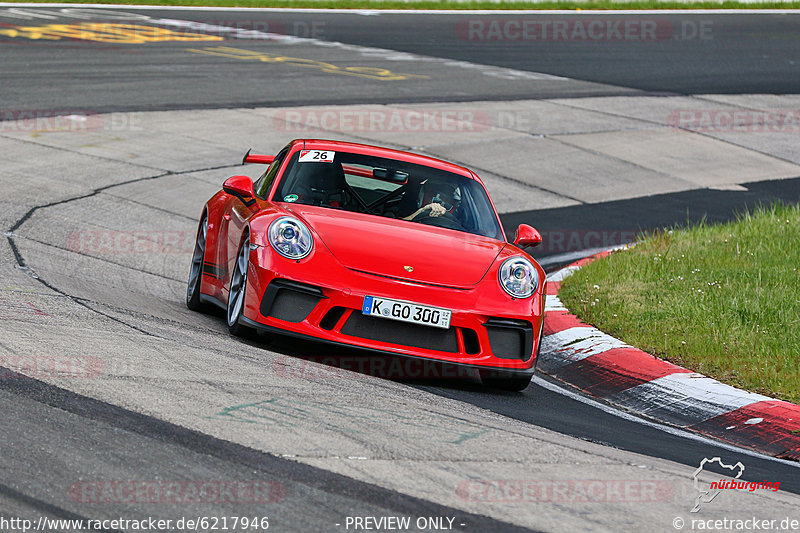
[(257, 158)]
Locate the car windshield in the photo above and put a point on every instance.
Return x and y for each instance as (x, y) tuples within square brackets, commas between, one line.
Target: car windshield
[(388, 188)]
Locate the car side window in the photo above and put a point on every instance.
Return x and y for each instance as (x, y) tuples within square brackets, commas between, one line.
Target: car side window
[(263, 183)]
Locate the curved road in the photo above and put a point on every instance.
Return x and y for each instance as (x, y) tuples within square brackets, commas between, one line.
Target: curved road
[(162, 410)]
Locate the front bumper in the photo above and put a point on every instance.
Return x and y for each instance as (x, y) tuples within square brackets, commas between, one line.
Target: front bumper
[(323, 302)]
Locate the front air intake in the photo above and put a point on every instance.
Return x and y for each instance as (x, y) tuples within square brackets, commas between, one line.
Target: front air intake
[(289, 300), (509, 338)]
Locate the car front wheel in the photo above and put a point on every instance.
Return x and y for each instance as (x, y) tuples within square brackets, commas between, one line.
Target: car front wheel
[(238, 289), (196, 270)]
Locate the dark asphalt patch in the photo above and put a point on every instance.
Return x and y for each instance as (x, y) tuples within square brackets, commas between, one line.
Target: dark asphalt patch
[(589, 226)]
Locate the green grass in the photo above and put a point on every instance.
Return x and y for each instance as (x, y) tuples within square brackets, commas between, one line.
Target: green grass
[(454, 5), (722, 300)]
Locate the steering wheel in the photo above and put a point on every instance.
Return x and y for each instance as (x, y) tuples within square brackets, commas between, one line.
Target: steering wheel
[(447, 221)]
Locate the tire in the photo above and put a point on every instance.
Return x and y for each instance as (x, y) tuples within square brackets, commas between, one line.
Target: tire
[(196, 271), (506, 381), (237, 291)]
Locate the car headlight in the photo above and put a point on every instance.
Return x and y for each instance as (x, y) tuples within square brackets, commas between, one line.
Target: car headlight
[(290, 238), (518, 277)]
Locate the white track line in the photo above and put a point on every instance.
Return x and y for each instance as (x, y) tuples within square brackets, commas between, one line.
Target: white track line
[(365, 51)]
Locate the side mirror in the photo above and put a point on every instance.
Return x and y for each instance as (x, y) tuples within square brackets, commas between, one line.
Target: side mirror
[(241, 187), (527, 236)]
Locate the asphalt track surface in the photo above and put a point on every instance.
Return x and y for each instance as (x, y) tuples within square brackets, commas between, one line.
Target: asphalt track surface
[(93, 436), (78, 436), (675, 54), (690, 54)]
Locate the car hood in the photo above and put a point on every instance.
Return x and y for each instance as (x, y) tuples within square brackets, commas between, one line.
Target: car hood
[(389, 247)]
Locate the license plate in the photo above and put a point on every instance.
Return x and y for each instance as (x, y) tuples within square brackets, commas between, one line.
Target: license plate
[(406, 312)]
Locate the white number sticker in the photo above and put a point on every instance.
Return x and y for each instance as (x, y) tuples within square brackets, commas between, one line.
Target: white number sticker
[(316, 156)]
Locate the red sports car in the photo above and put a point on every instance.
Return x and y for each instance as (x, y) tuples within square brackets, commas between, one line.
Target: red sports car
[(378, 249)]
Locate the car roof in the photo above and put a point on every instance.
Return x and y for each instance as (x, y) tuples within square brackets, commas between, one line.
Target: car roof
[(325, 144)]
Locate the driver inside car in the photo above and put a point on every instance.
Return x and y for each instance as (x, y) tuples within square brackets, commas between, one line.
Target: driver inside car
[(437, 199)]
